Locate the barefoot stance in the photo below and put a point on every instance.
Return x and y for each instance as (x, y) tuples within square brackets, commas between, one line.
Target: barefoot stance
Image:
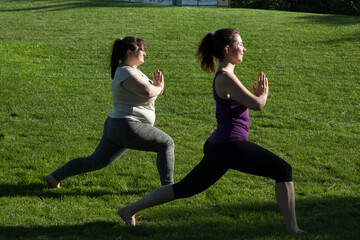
[(51, 181), (296, 231), (127, 217)]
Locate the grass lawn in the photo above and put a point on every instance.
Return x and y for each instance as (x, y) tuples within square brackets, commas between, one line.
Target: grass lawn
[(55, 95)]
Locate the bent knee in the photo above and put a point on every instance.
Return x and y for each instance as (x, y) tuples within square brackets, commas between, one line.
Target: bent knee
[(285, 173), (168, 143), (182, 192)]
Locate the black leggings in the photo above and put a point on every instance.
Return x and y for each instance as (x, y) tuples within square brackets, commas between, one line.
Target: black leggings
[(243, 156)]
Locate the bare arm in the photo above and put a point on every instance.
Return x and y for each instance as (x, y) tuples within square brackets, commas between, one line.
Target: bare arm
[(228, 85), (143, 89)]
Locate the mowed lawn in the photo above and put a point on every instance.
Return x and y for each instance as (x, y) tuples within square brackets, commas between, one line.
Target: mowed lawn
[(55, 95)]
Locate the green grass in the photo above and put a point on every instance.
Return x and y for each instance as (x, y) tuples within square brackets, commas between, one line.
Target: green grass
[(55, 95)]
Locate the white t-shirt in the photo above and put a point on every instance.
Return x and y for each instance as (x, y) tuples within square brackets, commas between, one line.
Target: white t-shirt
[(127, 104)]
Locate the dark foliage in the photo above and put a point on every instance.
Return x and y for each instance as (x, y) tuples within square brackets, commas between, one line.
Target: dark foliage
[(347, 7)]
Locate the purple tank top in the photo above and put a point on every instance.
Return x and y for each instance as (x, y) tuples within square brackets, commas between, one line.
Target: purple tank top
[(232, 120)]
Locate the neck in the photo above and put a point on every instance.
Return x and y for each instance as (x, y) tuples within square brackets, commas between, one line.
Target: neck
[(129, 64), (226, 66)]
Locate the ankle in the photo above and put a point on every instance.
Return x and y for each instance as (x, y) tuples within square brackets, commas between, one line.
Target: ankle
[(294, 229), (127, 216), (52, 182)]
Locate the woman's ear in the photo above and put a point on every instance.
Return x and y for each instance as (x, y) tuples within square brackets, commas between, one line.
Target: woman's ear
[(227, 49), (129, 53)]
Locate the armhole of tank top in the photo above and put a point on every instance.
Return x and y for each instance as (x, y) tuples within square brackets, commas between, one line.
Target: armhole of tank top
[(216, 75)]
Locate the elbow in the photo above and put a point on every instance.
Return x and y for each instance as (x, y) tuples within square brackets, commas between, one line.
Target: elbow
[(259, 104), (261, 107), (153, 91), (257, 108), (148, 93)]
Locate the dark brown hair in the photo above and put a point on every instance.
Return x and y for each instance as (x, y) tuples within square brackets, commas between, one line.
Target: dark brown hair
[(120, 48), (212, 46)]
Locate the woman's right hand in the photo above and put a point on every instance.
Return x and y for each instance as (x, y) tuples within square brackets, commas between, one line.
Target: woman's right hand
[(158, 80), (262, 87)]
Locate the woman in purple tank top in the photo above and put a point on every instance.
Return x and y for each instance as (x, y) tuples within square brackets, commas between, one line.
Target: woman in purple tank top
[(228, 146)]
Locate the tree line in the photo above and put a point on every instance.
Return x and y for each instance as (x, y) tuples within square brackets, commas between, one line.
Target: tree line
[(346, 7)]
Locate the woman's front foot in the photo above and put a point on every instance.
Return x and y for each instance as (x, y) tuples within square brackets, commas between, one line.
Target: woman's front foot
[(295, 230)]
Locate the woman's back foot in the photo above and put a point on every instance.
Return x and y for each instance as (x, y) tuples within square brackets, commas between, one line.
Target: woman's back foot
[(127, 217), (52, 182)]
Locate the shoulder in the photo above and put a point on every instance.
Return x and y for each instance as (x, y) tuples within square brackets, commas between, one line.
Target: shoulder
[(126, 69), (124, 72), (225, 78)]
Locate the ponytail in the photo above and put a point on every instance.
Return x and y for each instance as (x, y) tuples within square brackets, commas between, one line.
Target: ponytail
[(212, 46), (115, 56), (205, 54), (120, 47)]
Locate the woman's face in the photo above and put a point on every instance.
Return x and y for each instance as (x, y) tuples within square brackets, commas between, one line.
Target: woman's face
[(137, 57), (141, 55), (236, 52)]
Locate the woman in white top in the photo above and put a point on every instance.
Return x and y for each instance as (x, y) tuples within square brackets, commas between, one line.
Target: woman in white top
[(130, 124)]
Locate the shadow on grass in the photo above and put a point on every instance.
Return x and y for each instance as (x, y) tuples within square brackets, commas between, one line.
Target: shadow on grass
[(325, 218), (354, 39), (332, 20), (41, 190), (68, 5)]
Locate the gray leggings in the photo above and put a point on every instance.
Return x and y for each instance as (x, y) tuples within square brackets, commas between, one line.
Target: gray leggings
[(119, 135)]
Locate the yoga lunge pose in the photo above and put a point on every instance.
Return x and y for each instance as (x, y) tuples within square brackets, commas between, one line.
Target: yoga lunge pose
[(130, 124), (228, 147)]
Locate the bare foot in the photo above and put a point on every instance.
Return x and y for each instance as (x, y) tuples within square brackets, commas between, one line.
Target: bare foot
[(296, 231), (52, 182), (127, 217)]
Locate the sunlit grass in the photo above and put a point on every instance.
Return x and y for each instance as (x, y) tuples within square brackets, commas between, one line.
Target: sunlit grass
[(55, 95)]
